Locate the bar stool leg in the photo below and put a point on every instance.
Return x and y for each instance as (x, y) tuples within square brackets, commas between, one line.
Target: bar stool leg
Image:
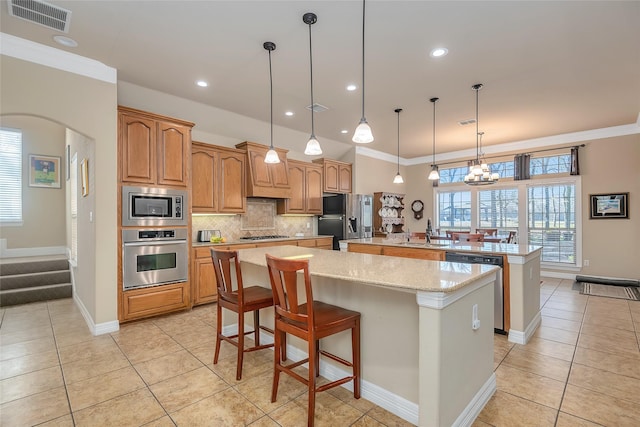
[(240, 345), (256, 326), (218, 332), (277, 341), (355, 349), (313, 367)]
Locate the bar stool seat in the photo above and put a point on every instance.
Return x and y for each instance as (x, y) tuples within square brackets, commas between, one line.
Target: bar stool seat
[(240, 300), (309, 321)]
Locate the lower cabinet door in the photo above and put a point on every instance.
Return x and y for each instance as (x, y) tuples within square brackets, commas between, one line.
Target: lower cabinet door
[(205, 289), (139, 303)]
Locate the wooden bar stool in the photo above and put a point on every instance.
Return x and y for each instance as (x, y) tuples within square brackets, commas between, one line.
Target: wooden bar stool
[(239, 300), (310, 321)]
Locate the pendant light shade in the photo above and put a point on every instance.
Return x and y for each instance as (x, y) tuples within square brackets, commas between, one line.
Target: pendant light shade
[(479, 171), (363, 134), (398, 178), (313, 146), (434, 175), (272, 156)]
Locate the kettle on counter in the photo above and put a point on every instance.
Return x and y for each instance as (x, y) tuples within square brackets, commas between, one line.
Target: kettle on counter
[(206, 235)]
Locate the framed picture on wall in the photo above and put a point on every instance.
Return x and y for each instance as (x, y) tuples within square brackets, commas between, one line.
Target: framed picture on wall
[(44, 171), (614, 205), (84, 172)]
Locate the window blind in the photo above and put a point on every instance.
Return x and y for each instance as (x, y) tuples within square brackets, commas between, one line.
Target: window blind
[(10, 175)]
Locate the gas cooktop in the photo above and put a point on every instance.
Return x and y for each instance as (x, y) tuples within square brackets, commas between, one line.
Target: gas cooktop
[(273, 236)]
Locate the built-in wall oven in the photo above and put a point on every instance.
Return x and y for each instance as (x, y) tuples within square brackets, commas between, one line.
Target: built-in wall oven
[(153, 257), (154, 207)]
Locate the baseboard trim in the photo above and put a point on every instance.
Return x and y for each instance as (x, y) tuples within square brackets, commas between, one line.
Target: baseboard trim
[(393, 403), (96, 329), (520, 337), (475, 406), (30, 252), (557, 275)]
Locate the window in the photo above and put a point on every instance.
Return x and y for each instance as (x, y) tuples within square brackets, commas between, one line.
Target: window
[(498, 209), (454, 210), (10, 176), (552, 221), (551, 164)]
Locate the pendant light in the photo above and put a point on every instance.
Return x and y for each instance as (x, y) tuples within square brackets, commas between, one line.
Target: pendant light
[(272, 156), (398, 178), (479, 172), (313, 146), (363, 134), (433, 175)]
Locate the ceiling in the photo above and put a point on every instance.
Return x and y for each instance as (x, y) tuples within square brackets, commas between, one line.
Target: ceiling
[(548, 68)]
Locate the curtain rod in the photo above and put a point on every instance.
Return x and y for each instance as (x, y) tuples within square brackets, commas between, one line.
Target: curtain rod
[(527, 152)]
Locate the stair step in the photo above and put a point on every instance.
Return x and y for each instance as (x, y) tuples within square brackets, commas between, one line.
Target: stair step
[(25, 266), (19, 281), (41, 293)]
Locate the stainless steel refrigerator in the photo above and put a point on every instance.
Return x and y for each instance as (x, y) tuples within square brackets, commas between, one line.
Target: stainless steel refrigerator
[(346, 216)]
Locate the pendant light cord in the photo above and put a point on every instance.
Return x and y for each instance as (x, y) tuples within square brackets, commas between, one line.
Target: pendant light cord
[(313, 133), (398, 110), (271, 97), (434, 100), (477, 136), (363, 9)]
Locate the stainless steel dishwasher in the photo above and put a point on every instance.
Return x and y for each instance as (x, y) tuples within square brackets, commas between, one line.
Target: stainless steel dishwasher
[(498, 293)]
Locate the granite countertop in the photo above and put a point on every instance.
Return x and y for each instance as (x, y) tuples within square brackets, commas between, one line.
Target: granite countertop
[(243, 241), (404, 274), (447, 245)]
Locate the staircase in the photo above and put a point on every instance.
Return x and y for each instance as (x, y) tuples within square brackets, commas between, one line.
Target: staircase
[(25, 280)]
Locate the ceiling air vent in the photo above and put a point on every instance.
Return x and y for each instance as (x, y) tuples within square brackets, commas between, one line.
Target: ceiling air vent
[(41, 13), (466, 122), (317, 108)]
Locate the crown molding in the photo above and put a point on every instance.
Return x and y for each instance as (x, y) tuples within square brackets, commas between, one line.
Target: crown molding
[(48, 56), (524, 145)]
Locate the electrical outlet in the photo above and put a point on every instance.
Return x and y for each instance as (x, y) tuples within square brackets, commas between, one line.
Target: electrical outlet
[(308, 225), (585, 263), (475, 322)]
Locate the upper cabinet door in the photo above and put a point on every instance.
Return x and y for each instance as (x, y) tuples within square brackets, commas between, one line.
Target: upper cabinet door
[(296, 203), (232, 183), (345, 179), (314, 190), (204, 172), (173, 153), (331, 178), (137, 149)]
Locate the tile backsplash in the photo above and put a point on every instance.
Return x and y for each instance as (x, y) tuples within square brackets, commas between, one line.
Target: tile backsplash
[(259, 220)]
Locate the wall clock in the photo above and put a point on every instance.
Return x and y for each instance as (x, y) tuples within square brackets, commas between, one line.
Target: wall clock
[(417, 207)]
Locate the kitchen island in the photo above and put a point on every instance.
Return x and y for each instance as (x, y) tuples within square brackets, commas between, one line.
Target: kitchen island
[(423, 356), (521, 273)]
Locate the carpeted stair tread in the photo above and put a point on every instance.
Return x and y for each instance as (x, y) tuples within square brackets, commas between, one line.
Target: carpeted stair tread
[(34, 280), (26, 267), (42, 293)]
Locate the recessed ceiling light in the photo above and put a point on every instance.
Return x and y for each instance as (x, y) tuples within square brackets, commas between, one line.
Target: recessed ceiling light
[(202, 83), (344, 131), (439, 51), (351, 87), (65, 41), (288, 113)]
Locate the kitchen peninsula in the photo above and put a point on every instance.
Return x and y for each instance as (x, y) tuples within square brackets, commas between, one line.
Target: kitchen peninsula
[(424, 357), (521, 273)]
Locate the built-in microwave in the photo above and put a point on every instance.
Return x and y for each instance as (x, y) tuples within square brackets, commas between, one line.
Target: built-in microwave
[(151, 206)]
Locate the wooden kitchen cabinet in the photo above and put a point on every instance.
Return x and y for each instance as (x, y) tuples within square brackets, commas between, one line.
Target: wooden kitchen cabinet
[(417, 253), (145, 302), (365, 248), (153, 149), (337, 176), (306, 190), (218, 179), (263, 179)]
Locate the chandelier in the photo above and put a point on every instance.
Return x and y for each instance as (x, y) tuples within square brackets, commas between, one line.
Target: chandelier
[(479, 171)]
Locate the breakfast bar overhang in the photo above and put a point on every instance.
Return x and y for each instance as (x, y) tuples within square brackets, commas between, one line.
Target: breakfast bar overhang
[(427, 328)]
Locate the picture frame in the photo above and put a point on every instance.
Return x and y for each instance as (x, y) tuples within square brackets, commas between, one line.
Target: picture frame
[(44, 171), (84, 173), (609, 206)]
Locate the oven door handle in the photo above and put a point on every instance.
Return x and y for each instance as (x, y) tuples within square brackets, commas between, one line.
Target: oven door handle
[(155, 243)]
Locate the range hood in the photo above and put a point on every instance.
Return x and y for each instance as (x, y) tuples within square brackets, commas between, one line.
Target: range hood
[(264, 179)]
